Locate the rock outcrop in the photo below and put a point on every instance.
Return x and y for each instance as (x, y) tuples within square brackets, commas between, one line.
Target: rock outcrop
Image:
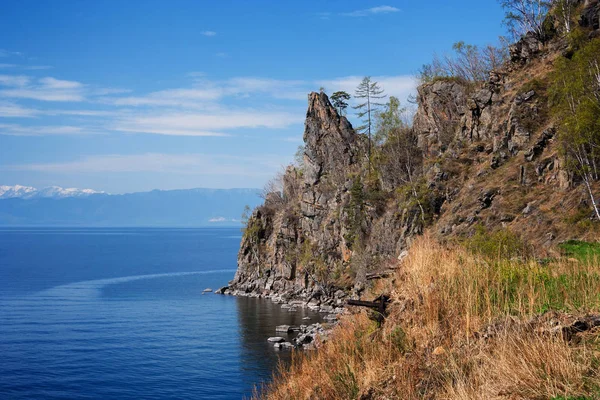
[(489, 158), (303, 245)]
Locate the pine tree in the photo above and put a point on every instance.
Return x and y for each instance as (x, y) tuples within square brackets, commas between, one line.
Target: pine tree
[(340, 101)]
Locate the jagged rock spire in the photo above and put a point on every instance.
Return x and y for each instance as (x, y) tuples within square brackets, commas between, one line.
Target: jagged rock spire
[(330, 141)]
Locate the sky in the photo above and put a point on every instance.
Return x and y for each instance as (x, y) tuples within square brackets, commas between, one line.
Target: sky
[(126, 96)]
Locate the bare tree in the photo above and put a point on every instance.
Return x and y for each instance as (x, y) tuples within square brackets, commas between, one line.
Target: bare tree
[(523, 16), (272, 192), (468, 62)]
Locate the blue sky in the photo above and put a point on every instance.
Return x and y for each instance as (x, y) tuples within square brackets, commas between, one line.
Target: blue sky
[(125, 96)]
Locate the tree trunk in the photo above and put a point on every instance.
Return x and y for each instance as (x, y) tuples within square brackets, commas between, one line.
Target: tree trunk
[(586, 179)]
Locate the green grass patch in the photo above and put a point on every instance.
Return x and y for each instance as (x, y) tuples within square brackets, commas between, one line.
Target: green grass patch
[(583, 251)]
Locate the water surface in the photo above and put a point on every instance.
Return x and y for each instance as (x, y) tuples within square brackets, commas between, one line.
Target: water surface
[(119, 313)]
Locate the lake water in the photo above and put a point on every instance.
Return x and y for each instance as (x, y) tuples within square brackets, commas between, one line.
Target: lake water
[(119, 313)]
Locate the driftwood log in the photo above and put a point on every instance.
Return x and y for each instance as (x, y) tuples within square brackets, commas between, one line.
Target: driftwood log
[(378, 305)]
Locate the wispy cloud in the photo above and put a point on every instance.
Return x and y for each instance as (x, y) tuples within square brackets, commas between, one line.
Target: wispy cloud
[(205, 108), (12, 110), (214, 124), (13, 80), (187, 164), (209, 33), (7, 53), (204, 92), (37, 67), (19, 130), (7, 65), (372, 11), (44, 89), (172, 97)]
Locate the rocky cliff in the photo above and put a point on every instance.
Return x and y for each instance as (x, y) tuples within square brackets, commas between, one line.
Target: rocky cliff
[(487, 158), (305, 242)]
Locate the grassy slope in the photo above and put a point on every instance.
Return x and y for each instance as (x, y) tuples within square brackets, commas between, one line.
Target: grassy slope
[(462, 326)]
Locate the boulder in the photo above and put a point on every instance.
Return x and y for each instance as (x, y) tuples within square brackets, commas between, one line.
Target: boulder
[(283, 328)]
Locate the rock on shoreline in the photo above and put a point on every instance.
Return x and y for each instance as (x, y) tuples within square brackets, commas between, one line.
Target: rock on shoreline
[(307, 334)]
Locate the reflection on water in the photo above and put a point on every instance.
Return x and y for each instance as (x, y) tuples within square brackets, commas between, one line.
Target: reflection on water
[(258, 319)]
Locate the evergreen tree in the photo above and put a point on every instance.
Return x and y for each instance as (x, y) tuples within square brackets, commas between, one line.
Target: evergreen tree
[(370, 91), (340, 101)]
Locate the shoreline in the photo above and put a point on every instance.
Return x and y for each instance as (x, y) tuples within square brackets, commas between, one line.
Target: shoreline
[(308, 337)]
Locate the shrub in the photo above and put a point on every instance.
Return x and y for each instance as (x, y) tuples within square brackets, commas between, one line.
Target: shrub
[(498, 245)]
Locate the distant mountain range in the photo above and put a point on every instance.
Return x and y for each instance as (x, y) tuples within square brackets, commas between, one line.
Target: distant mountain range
[(56, 206)]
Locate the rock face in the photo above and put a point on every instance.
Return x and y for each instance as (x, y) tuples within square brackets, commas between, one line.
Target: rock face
[(331, 143), (302, 246)]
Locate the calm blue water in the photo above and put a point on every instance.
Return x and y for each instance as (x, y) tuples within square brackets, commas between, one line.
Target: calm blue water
[(119, 314)]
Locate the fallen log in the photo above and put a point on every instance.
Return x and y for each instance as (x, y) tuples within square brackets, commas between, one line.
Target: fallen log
[(379, 305)]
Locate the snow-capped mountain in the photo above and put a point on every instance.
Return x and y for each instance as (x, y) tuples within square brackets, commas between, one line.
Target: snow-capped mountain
[(28, 192)]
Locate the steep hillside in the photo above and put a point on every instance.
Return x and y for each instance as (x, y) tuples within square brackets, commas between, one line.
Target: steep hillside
[(464, 220), (490, 161), (480, 158)]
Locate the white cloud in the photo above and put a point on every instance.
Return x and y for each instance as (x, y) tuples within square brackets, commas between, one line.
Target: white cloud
[(12, 110), (13, 80), (19, 130), (188, 124), (205, 93), (218, 219), (263, 166), (205, 108), (45, 89), (80, 113), (7, 65), (171, 97), (372, 11), (209, 33), (53, 83)]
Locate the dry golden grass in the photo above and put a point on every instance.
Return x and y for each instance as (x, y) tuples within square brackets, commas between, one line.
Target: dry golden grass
[(458, 330)]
